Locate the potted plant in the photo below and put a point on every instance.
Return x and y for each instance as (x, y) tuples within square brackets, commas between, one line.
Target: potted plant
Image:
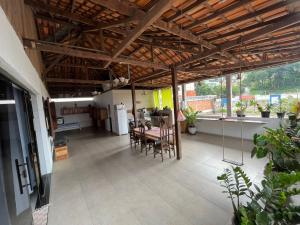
[(281, 108), (280, 148), (294, 112), (241, 108), (191, 117), (267, 204), (265, 110)]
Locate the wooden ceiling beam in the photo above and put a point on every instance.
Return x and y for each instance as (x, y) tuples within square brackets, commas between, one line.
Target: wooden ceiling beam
[(218, 13), (246, 65), (71, 16), (248, 28), (87, 53), (128, 9), (150, 17), (74, 81), (288, 21), (248, 16), (246, 69), (181, 13)]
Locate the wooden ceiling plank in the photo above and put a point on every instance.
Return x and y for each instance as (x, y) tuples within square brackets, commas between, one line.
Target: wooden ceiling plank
[(181, 13), (150, 17), (218, 13), (288, 21)]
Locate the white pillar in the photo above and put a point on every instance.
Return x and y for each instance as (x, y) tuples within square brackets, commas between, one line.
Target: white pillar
[(183, 103), (229, 95)]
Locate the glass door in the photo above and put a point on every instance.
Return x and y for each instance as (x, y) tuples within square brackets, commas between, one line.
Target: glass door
[(15, 171)]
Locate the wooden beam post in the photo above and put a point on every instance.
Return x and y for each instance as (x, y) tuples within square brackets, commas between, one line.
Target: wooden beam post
[(176, 109), (133, 103)]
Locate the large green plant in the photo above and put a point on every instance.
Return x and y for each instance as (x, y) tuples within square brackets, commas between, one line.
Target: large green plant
[(270, 204), (266, 205), (279, 146), (191, 116), (236, 184)]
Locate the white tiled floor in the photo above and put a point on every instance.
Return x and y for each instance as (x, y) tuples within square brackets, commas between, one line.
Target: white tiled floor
[(105, 182)]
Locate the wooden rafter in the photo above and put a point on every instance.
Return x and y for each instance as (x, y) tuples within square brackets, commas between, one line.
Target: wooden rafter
[(183, 12), (248, 16), (146, 21), (87, 53), (290, 20), (73, 81)]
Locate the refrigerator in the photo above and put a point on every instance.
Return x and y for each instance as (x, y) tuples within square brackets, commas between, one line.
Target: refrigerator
[(121, 120)]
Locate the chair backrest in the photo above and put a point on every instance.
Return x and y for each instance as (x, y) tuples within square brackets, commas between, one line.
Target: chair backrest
[(148, 124), (131, 126), (164, 135), (142, 129)]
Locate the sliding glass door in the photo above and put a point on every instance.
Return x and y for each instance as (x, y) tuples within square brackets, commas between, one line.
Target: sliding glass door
[(17, 176)]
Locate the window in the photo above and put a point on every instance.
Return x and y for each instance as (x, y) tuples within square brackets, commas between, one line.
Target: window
[(277, 86), (208, 96)]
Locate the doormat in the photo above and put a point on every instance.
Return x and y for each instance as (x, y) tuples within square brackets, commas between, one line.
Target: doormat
[(40, 216)]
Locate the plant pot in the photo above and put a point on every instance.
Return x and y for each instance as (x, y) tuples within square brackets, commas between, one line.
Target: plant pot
[(235, 220), (280, 115), (192, 130), (265, 114), (293, 120), (240, 114)]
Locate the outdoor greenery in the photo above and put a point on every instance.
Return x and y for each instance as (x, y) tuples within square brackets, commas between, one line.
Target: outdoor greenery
[(283, 79), (276, 144), (266, 205), (203, 88), (271, 202)]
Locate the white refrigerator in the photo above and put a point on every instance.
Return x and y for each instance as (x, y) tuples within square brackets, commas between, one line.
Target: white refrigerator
[(121, 119)]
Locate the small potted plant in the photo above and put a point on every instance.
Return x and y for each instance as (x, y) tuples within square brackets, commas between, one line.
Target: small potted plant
[(265, 110), (191, 117), (241, 108), (281, 108), (294, 112)]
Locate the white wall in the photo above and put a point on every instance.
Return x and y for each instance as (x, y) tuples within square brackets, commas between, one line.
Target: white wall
[(83, 118), (103, 101), (233, 129), (144, 99), (16, 66)]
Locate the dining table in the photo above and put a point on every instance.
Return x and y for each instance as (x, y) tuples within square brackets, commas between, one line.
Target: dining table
[(153, 133)]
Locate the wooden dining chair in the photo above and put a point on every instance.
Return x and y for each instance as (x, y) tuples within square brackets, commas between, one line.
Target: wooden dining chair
[(163, 144), (133, 137), (172, 139), (146, 143)]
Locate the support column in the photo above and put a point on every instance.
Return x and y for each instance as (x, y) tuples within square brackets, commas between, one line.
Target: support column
[(229, 95), (133, 103), (183, 104), (176, 109)]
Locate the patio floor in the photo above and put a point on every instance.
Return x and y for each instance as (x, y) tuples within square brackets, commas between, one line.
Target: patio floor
[(105, 182)]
